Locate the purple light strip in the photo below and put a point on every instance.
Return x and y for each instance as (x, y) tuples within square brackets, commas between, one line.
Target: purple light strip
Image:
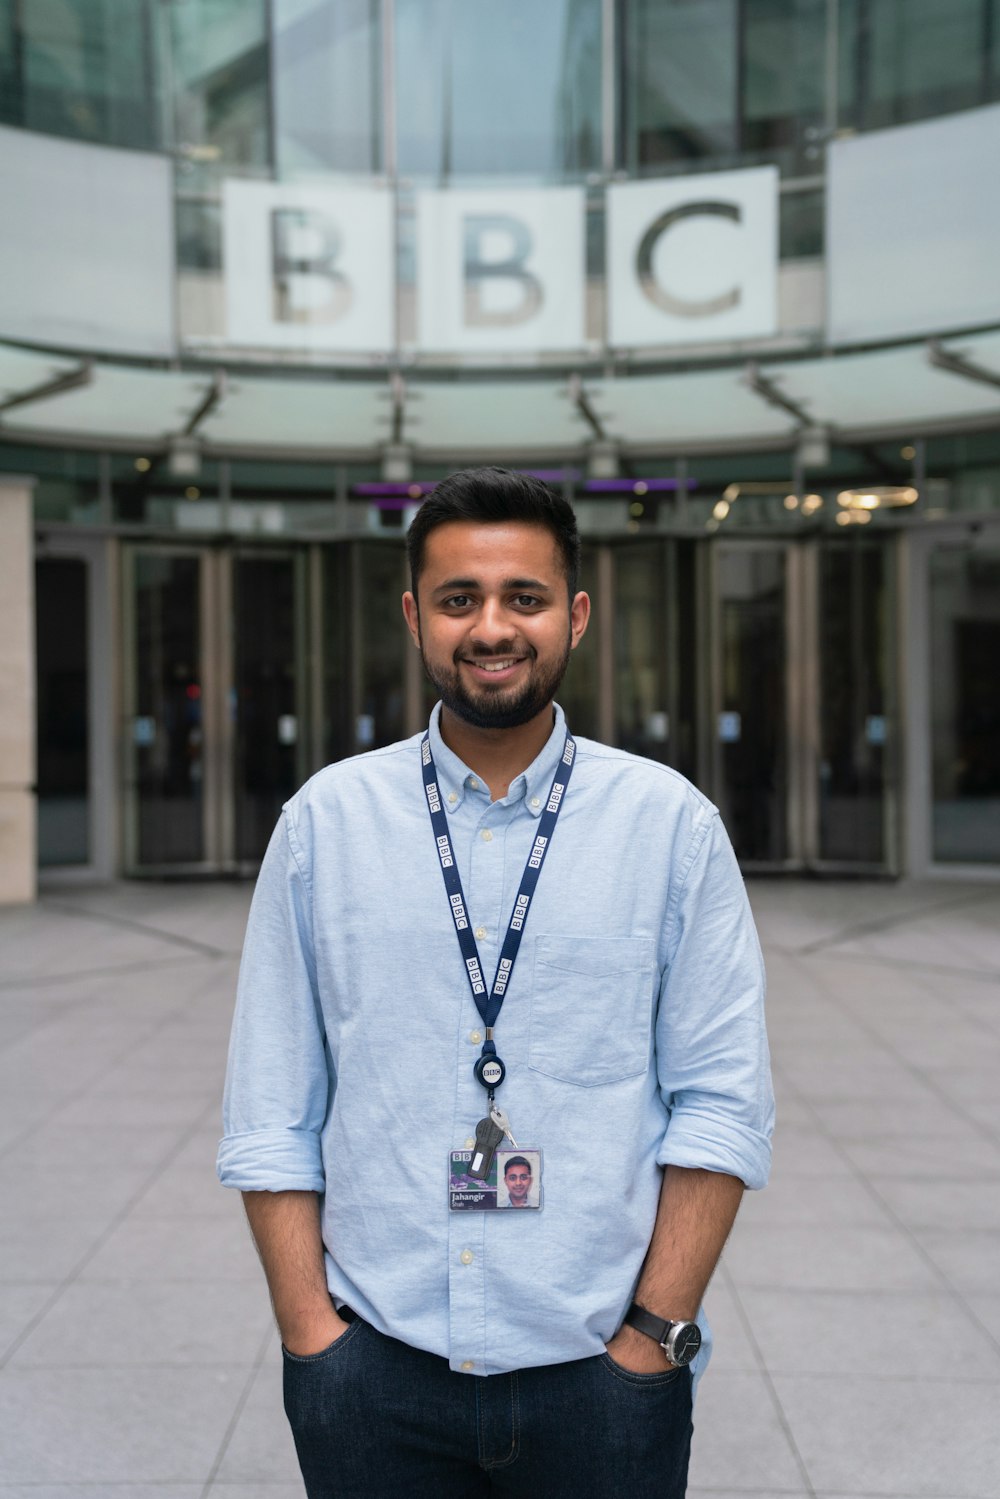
[(634, 486), (397, 496)]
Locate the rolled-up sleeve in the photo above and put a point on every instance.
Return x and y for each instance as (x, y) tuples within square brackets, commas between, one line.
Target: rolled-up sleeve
[(277, 1081), (713, 1064)]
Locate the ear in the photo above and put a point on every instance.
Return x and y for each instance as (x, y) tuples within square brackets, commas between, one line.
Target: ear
[(579, 615), (411, 614)]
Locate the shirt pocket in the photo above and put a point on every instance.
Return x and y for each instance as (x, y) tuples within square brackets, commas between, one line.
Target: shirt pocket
[(591, 1008)]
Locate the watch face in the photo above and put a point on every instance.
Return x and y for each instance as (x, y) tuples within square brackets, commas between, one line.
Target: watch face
[(684, 1343)]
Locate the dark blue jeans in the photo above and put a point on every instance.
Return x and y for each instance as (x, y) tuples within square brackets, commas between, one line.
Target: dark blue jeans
[(373, 1418)]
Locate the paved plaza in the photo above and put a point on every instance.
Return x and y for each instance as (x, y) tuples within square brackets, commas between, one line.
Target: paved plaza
[(857, 1309)]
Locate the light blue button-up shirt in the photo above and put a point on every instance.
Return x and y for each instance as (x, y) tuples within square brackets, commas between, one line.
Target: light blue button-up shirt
[(632, 1030)]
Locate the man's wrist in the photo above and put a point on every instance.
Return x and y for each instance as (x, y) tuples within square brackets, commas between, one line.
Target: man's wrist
[(678, 1337)]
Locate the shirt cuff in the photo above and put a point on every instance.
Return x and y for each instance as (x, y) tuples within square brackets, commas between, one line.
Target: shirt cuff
[(272, 1160), (702, 1144)]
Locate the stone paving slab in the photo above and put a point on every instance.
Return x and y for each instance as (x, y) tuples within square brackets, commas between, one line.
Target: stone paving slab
[(857, 1308)]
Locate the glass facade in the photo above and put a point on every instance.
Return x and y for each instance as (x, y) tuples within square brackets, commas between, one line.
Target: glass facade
[(742, 632)]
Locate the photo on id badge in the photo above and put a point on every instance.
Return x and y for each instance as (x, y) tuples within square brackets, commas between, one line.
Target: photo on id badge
[(514, 1180)]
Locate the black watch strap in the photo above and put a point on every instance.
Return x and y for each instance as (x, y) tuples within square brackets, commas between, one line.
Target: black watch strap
[(643, 1321)]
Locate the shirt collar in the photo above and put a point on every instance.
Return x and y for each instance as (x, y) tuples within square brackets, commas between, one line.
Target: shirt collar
[(531, 786)]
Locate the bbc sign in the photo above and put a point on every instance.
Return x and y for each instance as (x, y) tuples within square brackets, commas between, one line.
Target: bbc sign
[(688, 260)]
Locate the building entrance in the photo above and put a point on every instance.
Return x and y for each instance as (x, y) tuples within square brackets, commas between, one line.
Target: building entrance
[(215, 699), (800, 732)]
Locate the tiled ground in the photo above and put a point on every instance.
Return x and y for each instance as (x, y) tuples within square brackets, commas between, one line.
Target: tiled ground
[(857, 1309)]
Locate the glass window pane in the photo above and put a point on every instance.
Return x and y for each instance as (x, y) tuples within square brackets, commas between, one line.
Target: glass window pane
[(853, 724), (166, 730), (269, 721), (751, 725), (577, 695), (62, 709), (219, 63), (642, 707), (81, 68), (679, 81), (784, 45), (512, 88), (965, 705), (911, 59), (326, 74)]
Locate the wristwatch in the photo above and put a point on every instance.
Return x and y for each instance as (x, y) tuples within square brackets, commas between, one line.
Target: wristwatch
[(680, 1341)]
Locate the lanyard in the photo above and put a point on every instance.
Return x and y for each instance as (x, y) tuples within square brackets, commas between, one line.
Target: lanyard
[(489, 1069)]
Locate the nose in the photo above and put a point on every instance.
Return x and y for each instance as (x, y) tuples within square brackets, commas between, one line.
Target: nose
[(493, 627)]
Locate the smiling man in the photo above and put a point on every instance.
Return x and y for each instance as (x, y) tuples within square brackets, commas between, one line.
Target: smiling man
[(495, 937)]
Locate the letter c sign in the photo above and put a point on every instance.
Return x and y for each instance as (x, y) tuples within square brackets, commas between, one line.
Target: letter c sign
[(659, 295)]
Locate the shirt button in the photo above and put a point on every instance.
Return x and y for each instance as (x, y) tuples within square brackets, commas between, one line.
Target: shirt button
[(480, 932), (467, 1256), (468, 1366), (453, 797), (475, 1037), (536, 801), (470, 1143), (486, 835), (473, 783)]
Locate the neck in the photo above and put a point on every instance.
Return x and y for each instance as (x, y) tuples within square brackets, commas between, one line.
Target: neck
[(498, 756)]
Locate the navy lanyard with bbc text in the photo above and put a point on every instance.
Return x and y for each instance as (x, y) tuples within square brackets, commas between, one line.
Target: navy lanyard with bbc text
[(489, 1069)]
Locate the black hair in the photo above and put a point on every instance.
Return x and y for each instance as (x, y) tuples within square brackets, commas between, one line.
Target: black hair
[(494, 495), (516, 1160)]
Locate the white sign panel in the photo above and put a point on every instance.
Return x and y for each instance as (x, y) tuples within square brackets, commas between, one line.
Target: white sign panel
[(309, 267), (693, 259), (88, 246), (501, 271), (913, 228)]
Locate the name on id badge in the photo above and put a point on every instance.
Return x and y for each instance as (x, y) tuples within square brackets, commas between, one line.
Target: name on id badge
[(513, 1180)]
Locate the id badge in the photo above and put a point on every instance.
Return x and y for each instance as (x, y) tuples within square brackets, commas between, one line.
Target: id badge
[(513, 1181)]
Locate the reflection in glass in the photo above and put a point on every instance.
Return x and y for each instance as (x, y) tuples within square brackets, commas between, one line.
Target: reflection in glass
[(269, 725), (63, 737), (81, 68), (679, 81), (219, 62), (853, 725), (512, 88), (326, 85), (364, 647), (578, 694), (751, 720), (166, 729), (903, 60), (965, 704), (642, 708)]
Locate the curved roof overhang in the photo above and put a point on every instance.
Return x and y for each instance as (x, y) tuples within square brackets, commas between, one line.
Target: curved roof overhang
[(919, 389)]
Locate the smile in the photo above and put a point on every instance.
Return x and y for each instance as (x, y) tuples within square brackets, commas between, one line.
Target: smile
[(494, 666)]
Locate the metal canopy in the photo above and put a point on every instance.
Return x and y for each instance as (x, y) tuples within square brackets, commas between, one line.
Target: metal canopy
[(299, 415), (699, 409), (24, 369), (889, 389), (897, 390), (120, 404), (493, 416)]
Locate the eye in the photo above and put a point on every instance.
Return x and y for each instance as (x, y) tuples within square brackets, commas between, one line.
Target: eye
[(527, 600), (458, 601)]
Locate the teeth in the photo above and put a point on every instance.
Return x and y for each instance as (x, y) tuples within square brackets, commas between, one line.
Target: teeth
[(495, 665)]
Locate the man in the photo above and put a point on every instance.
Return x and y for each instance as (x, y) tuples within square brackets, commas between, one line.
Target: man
[(517, 1180), (495, 934)]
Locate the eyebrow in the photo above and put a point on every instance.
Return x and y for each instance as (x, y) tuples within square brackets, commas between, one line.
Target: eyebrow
[(534, 584)]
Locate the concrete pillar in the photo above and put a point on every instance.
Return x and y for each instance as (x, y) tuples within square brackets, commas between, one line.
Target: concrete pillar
[(18, 858)]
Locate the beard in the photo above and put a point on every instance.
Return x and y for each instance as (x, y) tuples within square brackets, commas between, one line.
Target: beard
[(500, 707)]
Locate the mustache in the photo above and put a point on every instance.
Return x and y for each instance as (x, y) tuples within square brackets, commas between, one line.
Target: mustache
[(490, 653)]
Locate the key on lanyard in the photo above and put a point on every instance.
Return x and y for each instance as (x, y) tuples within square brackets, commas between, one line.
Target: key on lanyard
[(499, 1117)]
